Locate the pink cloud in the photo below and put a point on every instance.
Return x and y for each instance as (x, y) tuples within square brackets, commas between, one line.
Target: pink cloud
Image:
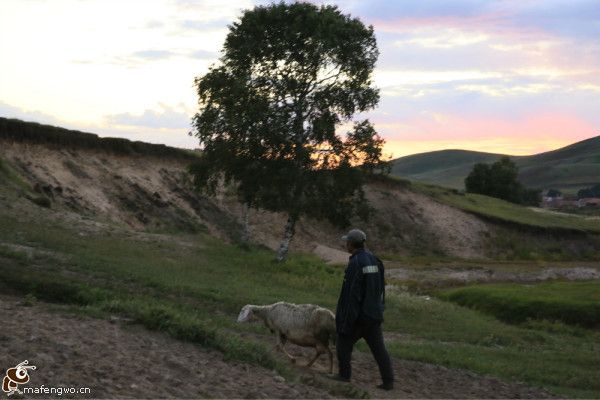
[(502, 30), (531, 134)]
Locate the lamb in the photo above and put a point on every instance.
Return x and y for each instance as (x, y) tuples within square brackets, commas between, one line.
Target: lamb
[(305, 325)]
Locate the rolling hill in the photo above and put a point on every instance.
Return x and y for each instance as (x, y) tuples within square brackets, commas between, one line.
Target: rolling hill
[(569, 168)]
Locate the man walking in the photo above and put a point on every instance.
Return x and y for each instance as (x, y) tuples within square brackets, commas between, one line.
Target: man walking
[(359, 311)]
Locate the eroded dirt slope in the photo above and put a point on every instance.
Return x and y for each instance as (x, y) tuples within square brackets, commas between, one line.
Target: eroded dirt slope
[(150, 192)]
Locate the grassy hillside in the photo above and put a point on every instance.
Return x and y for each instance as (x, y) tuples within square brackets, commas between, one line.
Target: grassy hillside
[(501, 210), (445, 167), (192, 286), (569, 168)]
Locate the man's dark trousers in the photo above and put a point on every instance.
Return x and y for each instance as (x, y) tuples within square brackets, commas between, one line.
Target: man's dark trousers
[(370, 330)]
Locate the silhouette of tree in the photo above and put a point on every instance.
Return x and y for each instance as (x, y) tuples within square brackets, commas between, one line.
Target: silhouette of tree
[(290, 74)]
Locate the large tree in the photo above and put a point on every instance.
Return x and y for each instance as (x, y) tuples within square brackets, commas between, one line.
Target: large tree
[(271, 110)]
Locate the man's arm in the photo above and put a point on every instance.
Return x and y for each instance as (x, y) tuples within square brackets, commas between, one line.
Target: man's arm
[(352, 301), (382, 272)]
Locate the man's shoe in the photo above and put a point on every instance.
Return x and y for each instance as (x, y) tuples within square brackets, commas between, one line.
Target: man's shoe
[(386, 386), (338, 377)]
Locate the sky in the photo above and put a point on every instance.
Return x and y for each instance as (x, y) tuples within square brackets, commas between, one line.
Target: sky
[(514, 77)]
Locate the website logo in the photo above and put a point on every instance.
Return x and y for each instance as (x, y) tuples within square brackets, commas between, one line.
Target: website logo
[(16, 376)]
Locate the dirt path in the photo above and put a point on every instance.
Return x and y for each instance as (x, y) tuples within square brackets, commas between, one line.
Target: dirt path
[(417, 380), (118, 360)]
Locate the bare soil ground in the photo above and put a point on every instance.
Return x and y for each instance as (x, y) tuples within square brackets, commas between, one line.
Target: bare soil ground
[(119, 360)]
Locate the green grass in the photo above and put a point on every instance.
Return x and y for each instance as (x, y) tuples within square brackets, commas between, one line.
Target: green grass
[(558, 357), (192, 286), (9, 175), (575, 303), (586, 211), (501, 210), (545, 368)]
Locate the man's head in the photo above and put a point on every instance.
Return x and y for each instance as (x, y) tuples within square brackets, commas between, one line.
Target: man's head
[(355, 239)]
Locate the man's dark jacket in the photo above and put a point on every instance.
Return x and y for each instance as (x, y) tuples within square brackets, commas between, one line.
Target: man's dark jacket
[(363, 292)]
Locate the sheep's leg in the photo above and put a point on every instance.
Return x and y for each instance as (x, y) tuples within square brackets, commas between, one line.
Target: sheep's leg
[(311, 362), (319, 351), (291, 357), (281, 341), (330, 360)]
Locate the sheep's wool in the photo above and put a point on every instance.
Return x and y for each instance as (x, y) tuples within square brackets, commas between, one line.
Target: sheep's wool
[(302, 324)]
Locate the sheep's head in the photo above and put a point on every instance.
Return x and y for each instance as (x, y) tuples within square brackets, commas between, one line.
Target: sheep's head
[(247, 314)]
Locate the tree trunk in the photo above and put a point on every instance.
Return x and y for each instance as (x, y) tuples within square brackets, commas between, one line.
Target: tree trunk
[(245, 223), (287, 238)]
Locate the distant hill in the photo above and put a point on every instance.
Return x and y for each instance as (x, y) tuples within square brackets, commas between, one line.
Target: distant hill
[(569, 168)]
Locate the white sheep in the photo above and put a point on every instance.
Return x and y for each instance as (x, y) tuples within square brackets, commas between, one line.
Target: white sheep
[(305, 325)]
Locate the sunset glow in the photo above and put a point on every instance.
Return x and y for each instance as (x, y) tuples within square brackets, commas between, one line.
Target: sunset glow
[(516, 77)]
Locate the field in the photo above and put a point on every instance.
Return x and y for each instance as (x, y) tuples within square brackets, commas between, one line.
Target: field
[(192, 286)]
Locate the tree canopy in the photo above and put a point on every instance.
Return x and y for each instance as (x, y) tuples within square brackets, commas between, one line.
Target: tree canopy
[(270, 113), (500, 180), (592, 191), (553, 193)]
